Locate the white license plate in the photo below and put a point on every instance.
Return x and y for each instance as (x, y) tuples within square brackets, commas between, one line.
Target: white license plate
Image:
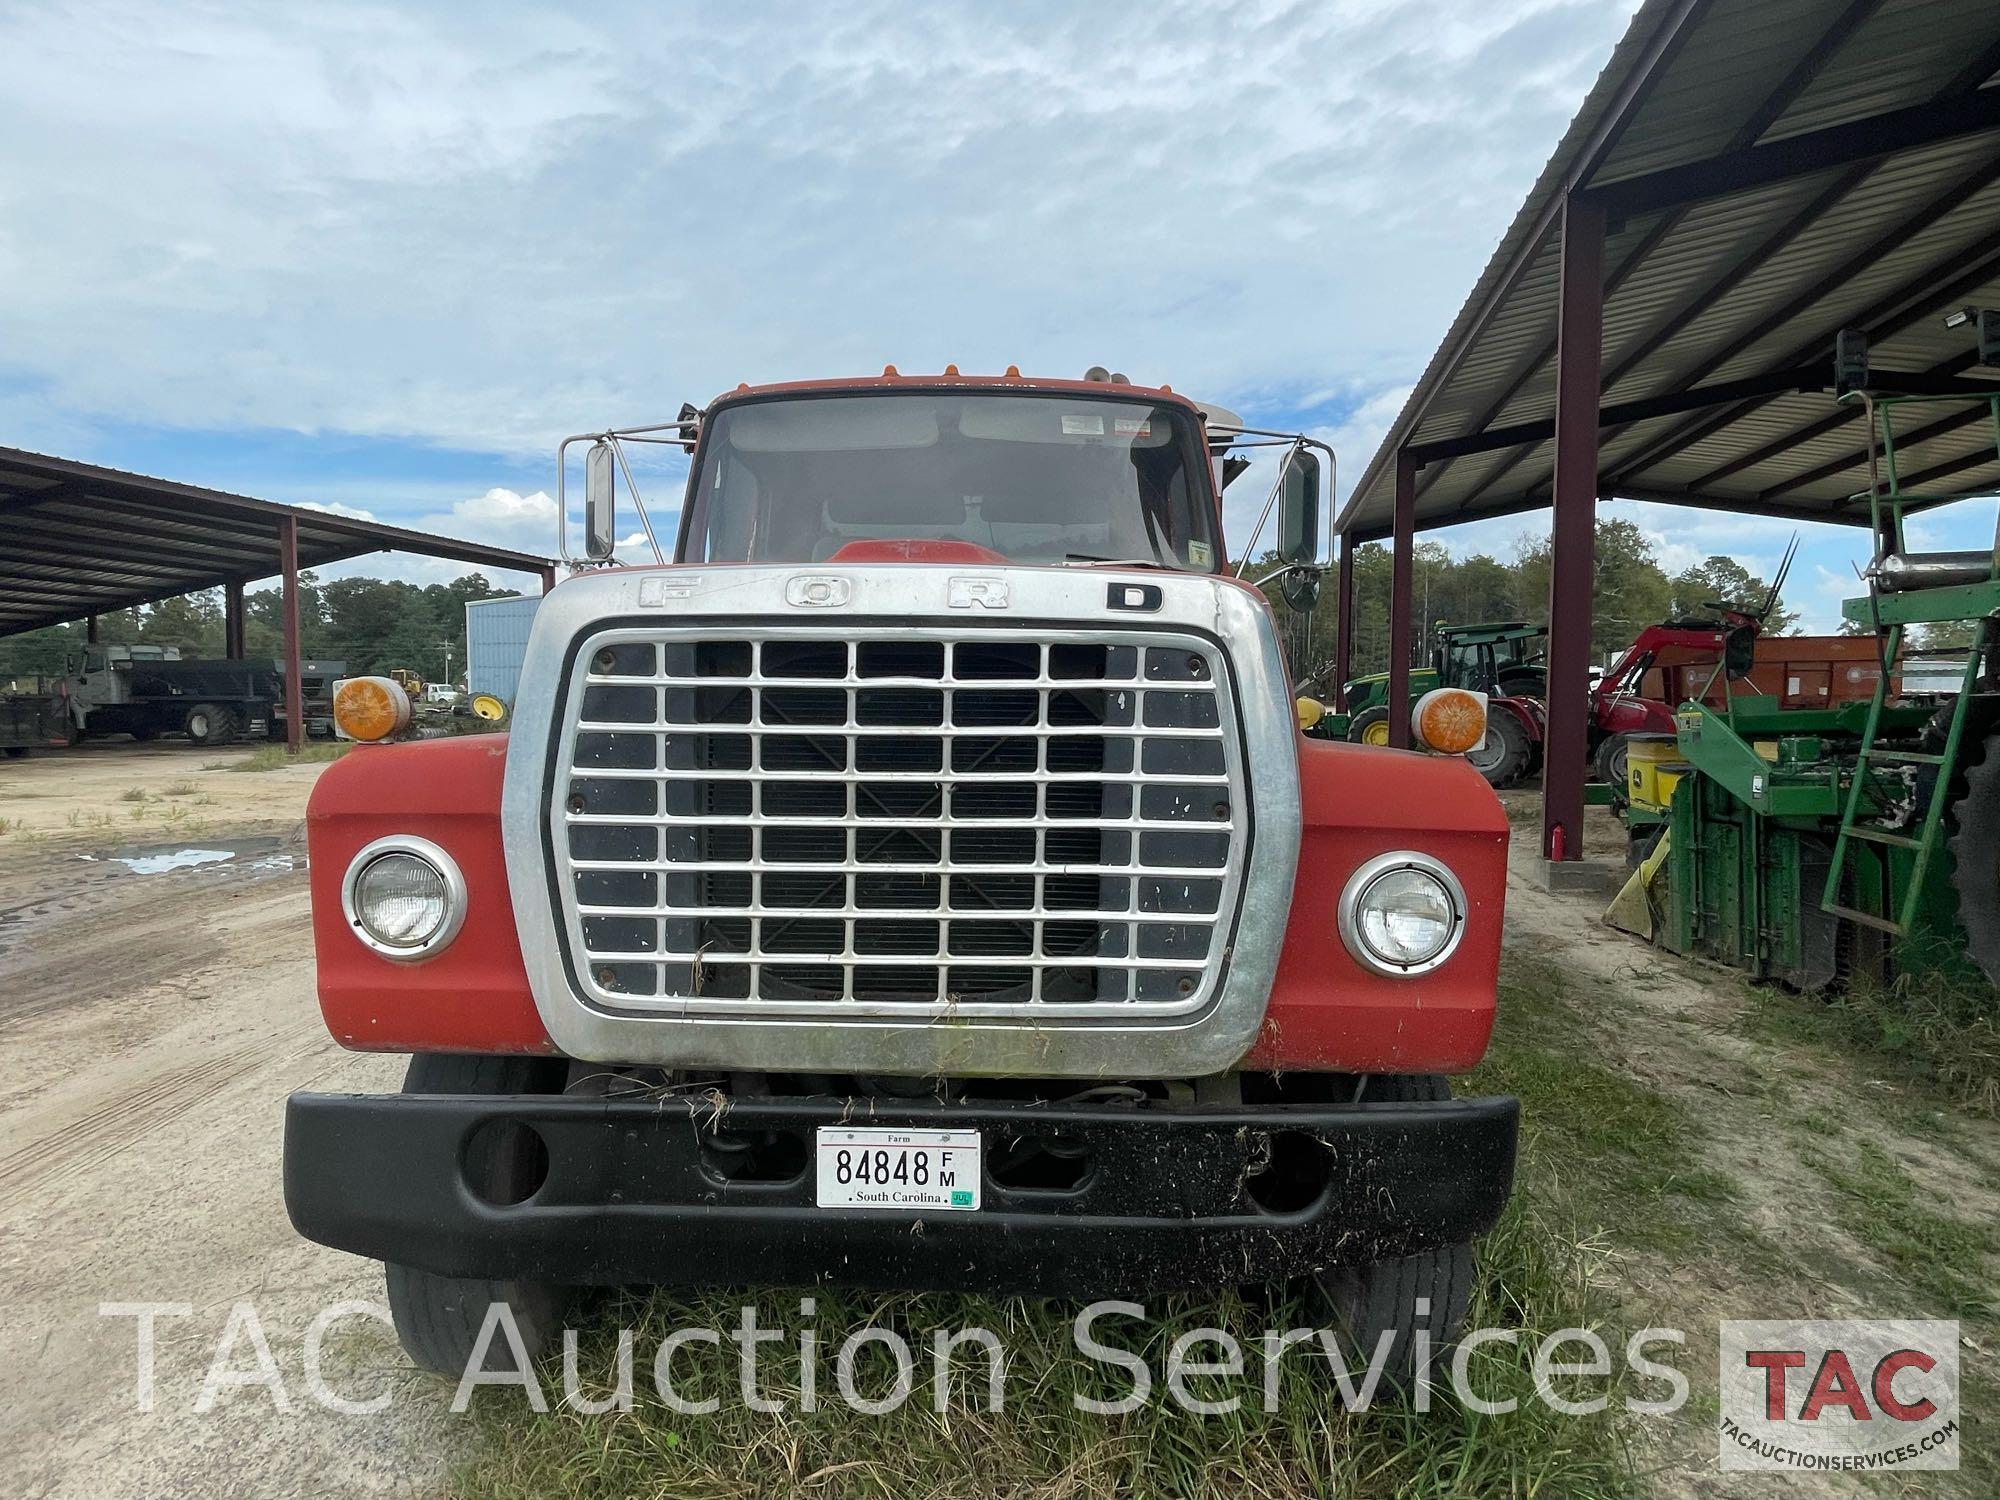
[(925, 1170)]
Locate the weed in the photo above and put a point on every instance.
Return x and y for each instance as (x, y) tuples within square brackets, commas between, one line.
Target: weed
[(1876, 1201), (277, 757), (179, 789), (134, 794)]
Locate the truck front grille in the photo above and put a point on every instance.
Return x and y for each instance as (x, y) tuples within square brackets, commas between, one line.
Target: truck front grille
[(901, 822)]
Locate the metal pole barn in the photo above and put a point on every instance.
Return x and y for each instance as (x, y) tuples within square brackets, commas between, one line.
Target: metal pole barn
[(295, 708), (1343, 644), (1404, 545), (1573, 543)]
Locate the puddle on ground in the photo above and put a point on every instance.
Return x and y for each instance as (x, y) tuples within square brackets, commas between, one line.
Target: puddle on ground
[(264, 855)]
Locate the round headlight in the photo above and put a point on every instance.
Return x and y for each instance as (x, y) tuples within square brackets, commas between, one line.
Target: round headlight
[(404, 897), (1402, 913)]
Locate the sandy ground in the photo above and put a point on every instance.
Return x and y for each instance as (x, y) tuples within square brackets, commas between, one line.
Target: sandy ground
[(153, 1024)]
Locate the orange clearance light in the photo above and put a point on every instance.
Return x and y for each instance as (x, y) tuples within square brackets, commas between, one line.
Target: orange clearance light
[(951, 369), (369, 708), (888, 370), (1450, 721), (1013, 372)]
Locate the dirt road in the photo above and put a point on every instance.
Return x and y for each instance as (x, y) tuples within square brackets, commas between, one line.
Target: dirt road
[(156, 1006)]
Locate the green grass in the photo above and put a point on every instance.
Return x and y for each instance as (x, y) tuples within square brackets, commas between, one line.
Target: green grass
[(1877, 1201), (1040, 1443), (276, 757), (1938, 1032)]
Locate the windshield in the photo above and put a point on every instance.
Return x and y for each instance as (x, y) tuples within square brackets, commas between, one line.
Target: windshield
[(1035, 478)]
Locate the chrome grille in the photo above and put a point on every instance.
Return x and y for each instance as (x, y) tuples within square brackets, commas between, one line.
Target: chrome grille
[(899, 822)]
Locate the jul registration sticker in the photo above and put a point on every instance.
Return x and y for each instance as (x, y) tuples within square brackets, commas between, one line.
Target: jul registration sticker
[(923, 1170), (1858, 1396)]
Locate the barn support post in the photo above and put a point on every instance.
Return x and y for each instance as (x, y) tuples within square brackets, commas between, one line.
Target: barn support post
[(1573, 542), (1403, 545), (288, 561), (1343, 604), (90, 631), (548, 577), (232, 621)]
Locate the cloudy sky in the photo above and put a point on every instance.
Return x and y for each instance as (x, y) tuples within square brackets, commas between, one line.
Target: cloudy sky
[(382, 258)]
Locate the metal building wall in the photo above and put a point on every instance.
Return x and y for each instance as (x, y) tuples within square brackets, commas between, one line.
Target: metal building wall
[(496, 643)]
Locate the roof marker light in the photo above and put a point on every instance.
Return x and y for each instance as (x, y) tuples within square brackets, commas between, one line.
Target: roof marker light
[(888, 370)]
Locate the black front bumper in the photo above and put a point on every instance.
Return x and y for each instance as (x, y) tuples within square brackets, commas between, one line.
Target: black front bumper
[(634, 1193)]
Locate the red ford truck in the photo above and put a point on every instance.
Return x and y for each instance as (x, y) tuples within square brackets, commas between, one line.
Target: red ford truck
[(915, 880)]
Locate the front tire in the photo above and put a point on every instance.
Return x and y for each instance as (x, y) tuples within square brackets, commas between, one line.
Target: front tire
[(1370, 726), (438, 1318), (1430, 1290), (1613, 761)]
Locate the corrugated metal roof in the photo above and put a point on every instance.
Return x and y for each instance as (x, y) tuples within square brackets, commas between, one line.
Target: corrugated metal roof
[(1740, 287), (79, 540)]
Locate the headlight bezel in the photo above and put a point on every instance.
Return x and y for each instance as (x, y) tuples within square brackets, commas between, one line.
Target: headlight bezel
[(1357, 887), (431, 854)]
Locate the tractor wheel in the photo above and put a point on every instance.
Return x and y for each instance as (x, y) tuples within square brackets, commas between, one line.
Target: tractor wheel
[(438, 1318), (1372, 1300), (210, 724), (1612, 758), (1975, 852), (145, 732), (1370, 726), (1503, 755)]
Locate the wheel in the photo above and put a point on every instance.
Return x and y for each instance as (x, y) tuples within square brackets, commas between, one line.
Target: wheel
[(1975, 853), (438, 1317), (145, 732), (1503, 755), (15, 752), (1611, 762), (210, 724), (1372, 1300), (1370, 726)]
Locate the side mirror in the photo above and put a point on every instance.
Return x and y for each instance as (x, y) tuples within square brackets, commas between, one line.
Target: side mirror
[(600, 502), (1298, 507), (1299, 588)]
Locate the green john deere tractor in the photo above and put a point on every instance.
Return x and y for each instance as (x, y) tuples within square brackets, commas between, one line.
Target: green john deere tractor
[(1504, 660)]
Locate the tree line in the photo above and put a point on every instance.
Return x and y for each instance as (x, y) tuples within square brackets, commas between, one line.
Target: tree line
[(1630, 590), (371, 624)]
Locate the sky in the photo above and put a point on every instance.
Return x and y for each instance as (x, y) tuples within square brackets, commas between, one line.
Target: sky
[(381, 259)]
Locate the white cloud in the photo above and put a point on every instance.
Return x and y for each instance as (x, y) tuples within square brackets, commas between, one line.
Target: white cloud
[(388, 222)]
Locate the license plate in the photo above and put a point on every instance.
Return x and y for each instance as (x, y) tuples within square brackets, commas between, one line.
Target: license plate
[(927, 1170)]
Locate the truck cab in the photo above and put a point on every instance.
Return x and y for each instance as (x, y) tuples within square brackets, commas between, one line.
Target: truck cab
[(912, 878)]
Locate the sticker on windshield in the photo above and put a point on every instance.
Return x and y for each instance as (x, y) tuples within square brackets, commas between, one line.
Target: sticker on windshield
[(1075, 424), (1132, 427), (1199, 555)]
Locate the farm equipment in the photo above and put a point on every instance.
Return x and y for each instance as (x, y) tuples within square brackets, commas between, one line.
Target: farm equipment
[(33, 713), (917, 878), (1504, 661), (1806, 843), (148, 691)]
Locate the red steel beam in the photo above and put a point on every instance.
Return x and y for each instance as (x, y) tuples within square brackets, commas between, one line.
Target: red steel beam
[(288, 563), (232, 620), (1579, 367), (1403, 547), (1343, 640)]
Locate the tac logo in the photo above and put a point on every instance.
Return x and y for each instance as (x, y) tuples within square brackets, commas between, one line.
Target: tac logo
[(1855, 1396)]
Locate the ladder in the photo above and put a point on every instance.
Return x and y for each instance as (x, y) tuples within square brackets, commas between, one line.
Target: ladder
[(1860, 824)]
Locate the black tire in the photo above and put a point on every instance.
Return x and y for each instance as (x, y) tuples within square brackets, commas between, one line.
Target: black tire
[(1502, 757), (1375, 719), (144, 733), (1369, 1301), (1975, 854), (438, 1317), (1613, 755), (15, 752), (209, 724)]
